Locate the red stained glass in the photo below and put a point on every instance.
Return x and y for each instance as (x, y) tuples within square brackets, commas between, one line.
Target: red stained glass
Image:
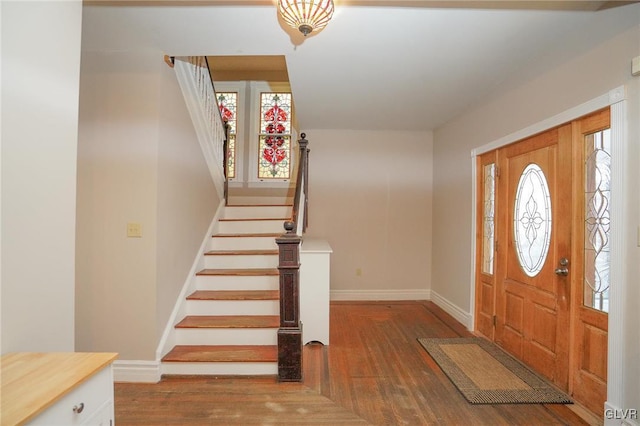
[(228, 104), (275, 127), (225, 113)]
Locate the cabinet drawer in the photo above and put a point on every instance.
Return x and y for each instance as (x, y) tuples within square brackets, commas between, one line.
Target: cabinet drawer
[(103, 417), (95, 394)]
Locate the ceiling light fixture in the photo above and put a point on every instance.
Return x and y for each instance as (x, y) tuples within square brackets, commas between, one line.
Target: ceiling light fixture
[(306, 15)]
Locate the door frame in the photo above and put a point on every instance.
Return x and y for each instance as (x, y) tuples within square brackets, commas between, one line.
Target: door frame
[(616, 99)]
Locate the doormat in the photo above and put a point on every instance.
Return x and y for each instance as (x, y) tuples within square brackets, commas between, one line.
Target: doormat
[(485, 374)]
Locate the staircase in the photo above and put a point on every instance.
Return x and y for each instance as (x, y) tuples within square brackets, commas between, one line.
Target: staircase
[(232, 318)]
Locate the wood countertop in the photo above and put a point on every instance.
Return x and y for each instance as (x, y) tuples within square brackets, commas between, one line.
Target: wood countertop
[(32, 381)]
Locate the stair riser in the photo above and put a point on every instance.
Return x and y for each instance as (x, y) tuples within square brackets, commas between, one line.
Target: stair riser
[(251, 226), (271, 282), (220, 368), (233, 307), (243, 243), (227, 336), (262, 212), (240, 261)]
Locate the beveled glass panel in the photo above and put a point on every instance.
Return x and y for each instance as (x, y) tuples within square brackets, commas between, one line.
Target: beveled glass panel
[(532, 220), (275, 136), (597, 254), (488, 215), (228, 105)]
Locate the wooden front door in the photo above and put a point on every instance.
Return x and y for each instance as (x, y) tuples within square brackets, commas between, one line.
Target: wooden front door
[(542, 255), (533, 302)]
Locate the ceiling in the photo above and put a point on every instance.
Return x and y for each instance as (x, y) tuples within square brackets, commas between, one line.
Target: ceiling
[(403, 65)]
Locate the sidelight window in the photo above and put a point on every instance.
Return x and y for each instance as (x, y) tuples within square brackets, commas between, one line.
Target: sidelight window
[(488, 217), (597, 231)]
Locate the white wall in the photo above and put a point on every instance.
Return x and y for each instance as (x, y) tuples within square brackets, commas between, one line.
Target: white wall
[(40, 83), (117, 184), (579, 78), (370, 198), (138, 161)]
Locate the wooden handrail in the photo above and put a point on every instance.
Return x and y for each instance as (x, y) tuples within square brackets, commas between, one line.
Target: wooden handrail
[(206, 61), (305, 160), (225, 145), (290, 331), (301, 180), (225, 161)]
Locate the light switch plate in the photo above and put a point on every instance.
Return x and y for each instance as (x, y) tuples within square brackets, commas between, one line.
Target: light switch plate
[(635, 66), (134, 230)]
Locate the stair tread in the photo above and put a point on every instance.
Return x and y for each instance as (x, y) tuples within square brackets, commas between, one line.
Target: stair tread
[(242, 252), (254, 234), (249, 219), (234, 295), (247, 272), (230, 321), (227, 353)]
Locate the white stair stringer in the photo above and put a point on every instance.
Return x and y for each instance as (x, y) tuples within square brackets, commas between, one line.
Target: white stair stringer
[(254, 248)]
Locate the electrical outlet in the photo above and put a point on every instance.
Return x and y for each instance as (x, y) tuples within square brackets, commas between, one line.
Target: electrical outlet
[(358, 272), (134, 230)]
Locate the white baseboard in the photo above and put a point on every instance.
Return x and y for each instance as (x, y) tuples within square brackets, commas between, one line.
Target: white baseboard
[(454, 310), (616, 416), (406, 294), (136, 371)]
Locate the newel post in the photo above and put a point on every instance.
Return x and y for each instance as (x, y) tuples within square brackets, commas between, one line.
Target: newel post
[(290, 331)]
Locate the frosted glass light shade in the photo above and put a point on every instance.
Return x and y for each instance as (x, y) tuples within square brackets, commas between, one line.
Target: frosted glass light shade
[(306, 15)]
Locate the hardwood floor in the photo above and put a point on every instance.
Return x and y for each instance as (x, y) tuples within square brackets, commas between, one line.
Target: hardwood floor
[(373, 372)]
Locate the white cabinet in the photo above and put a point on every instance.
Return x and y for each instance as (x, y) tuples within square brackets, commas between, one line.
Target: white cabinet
[(57, 389), (83, 405)]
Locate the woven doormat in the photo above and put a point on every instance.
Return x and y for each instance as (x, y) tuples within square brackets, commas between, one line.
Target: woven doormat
[(485, 374)]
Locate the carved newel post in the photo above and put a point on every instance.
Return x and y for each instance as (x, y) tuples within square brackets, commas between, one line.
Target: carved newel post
[(290, 331)]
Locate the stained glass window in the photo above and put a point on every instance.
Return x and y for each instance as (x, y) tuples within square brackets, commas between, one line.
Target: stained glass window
[(597, 254), (228, 104), (532, 220), (488, 229), (275, 136)]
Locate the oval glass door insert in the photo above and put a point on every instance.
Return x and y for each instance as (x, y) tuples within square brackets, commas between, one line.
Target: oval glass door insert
[(532, 220)]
